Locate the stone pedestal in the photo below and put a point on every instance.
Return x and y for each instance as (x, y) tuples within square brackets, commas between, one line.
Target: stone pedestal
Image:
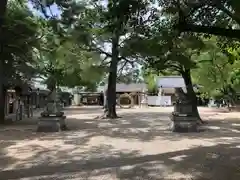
[(51, 124), (52, 119), (183, 120)]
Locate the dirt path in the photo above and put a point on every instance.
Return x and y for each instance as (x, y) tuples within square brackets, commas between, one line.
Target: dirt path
[(137, 146)]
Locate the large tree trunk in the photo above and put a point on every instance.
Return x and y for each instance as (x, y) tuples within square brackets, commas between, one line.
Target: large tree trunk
[(2, 93), (3, 7), (112, 79), (2, 105), (191, 95)]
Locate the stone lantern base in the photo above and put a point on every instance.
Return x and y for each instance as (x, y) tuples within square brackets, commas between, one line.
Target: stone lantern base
[(183, 123), (51, 124), (183, 119), (51, 120)]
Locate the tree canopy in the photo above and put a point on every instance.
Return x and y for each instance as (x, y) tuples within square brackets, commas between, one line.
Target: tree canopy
[(219, 18)]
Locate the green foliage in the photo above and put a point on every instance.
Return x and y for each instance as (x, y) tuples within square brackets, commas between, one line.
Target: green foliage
[(89, 29), (65, 63), (216, 75), (150, 79), (20, 36), (166, 49)]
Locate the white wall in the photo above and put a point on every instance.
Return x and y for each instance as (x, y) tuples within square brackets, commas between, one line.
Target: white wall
[(159, 100), (76, 99)]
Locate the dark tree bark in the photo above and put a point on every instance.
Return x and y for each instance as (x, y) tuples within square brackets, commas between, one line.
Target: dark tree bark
[(230, 33), (2, 105), (3, 8), (191, 95), (2, 93), (112, 79)]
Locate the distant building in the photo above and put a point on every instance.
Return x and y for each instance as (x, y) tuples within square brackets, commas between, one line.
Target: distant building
[(167, 85), (171, 82), (27, 94), (135, 89), (130, 88)]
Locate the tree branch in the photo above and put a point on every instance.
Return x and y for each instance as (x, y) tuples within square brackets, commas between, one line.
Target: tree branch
[(104, 62), (232, 15), (121, 69), (183, 26), (230, 33), (109, 55)]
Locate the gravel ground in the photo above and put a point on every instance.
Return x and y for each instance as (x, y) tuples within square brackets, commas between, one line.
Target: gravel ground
[(137, 146)]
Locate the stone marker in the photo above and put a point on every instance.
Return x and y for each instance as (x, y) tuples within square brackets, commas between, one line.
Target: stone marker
[(52, 118), (183, 119)]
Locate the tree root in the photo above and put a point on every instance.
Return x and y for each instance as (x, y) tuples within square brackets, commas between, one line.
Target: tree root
[(200, 121), (105, 115)]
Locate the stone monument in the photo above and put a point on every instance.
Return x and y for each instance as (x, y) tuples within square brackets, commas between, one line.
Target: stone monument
[(52, 118), (183, 119)]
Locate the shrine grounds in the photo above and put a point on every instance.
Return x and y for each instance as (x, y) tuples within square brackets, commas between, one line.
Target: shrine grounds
[(138, 146)]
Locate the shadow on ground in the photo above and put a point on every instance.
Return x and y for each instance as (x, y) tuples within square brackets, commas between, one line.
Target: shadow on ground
[(145, 126), (27, 155), (219, 162)]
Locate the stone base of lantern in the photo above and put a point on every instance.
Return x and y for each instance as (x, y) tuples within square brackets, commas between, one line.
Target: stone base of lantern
[(51, 124), (183, 123)]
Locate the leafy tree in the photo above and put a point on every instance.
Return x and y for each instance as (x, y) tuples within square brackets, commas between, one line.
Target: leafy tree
[(150, 78), (103, 28), (75, 65), (64, 63), (217, 77), (164, 49), (19, 34), (3, 7)]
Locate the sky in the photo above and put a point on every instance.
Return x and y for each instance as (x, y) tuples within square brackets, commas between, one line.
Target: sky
[(54, 9)]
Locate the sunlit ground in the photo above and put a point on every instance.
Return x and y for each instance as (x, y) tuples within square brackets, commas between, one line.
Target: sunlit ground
[(137, 146)]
